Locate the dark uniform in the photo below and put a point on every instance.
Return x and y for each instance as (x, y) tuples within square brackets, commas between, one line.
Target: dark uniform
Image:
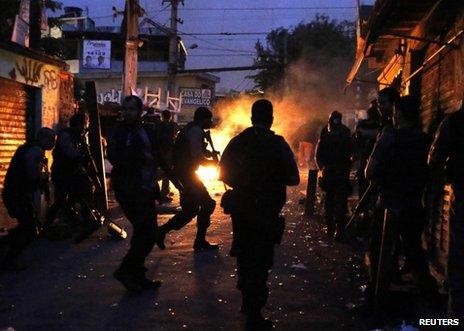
[(26, 176), (258, 165), (71, 180), (401, 174), (333, 157), (448, 150), (364, 139), (189, 153), (166, 132), (133, 153)]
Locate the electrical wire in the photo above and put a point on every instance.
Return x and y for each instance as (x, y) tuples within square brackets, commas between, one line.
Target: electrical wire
[(228, 54), (268, 8)]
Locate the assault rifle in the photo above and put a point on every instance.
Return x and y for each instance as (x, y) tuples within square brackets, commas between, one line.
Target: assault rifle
[(362, 204), (89, 169), (215, 153)]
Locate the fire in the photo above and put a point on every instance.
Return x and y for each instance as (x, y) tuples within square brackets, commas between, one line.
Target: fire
[(235, 116), (208, 174)]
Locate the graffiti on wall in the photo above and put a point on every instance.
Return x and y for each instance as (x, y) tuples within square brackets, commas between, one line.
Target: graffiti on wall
[(67, 102), (30, 70), (50, 79), (112, 95)]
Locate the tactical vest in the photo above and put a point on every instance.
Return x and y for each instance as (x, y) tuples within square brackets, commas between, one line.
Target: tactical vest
[(404, 173), (16, 184), (62, 165), (182, 157), (259, 168)]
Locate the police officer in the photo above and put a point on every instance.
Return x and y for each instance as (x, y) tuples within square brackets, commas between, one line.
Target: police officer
[(448, 151), (26, 175), (258, 165), (386, 102), (134, 154), (166, 132), (70, 175), (364, 139), (398, 166), (333, 157), (189, 153)]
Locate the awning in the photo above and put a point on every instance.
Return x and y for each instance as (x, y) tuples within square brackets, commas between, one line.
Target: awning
[(357, 62), (390, 20)]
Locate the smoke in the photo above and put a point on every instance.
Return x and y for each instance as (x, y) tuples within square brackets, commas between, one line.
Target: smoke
[(303, 100)]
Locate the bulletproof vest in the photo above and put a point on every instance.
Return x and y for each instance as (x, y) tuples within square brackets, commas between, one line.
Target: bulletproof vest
[(259, 162), (61, 163), (366, 136), (131, 167), (337, 148), (455, 163), (166, 132), (405, 169), (182, 156), (16, 184)]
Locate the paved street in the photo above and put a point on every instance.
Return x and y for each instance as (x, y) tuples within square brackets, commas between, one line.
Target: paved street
[(70, 287)]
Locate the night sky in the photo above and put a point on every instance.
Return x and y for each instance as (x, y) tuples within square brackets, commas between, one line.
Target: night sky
[(214, 51)]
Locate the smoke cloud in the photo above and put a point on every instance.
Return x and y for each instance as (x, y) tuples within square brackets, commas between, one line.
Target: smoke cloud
[(303, 100)]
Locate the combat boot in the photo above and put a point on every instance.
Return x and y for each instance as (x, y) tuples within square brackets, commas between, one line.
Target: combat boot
[(130, 281), (258, 322), (201, 245), (148, 284), (160, 237)]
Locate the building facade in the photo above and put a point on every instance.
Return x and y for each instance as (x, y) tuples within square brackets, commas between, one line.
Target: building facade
[(417, 47), (35, 91), (153, 57)]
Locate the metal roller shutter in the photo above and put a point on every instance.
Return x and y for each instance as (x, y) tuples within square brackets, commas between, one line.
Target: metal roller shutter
[(16, 104)]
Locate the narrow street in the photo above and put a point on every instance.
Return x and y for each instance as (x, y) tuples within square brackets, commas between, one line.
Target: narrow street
[(70, 287)]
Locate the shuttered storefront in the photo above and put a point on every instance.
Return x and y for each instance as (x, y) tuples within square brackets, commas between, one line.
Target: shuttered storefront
[(441, 90), (16, 125)]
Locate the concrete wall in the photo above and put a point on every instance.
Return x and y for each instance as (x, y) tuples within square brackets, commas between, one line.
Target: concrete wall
[(53, 96), (55, 84), (110, 89)]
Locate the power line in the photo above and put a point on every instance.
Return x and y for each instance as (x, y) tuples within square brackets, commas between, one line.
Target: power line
[(228, 54), (228, 49), (224, 33), (269, 8), (241, 9), (203, 40)]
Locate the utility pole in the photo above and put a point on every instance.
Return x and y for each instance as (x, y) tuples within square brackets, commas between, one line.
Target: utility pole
[(132, 13), (173, 47)]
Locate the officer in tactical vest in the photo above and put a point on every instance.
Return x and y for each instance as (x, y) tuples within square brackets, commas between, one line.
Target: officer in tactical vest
[(448, 152), (166, 132), (135, 156), (398, 166), (189, 153), (27, 174), (364, 139), (386, 102), (71, 175), (333, 158), (258, 165)]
